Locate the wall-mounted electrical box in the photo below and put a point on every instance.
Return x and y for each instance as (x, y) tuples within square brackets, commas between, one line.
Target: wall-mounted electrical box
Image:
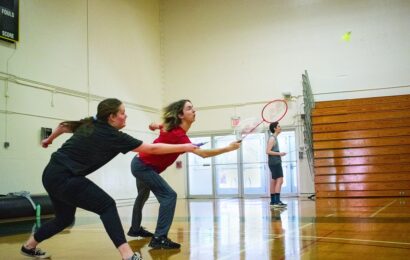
[(45, 132)]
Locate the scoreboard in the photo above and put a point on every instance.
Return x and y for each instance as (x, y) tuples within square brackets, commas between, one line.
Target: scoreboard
[(9, 20)]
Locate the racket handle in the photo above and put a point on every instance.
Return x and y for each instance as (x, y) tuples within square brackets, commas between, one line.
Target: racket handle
[(200, 144)]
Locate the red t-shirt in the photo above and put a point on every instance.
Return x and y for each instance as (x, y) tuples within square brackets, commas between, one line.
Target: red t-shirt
[(161, 161)]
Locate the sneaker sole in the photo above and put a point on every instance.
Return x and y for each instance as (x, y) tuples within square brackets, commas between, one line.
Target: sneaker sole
[(38, 257), (163, 247)]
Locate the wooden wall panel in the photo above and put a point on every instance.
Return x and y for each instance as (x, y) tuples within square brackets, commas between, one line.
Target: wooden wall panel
[(363, 193), (363, 101), (357, 178), (362, 169), (331, 153), (368, 142), (397, 131), (359, 186), (364, 160), (361, 125), (362, 147), (358, 108), (379, 116)]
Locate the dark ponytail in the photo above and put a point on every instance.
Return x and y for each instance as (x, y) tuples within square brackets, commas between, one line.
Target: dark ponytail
[(104, 110)]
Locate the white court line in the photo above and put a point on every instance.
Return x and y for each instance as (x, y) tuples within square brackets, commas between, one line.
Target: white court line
[(287, 234), (230, 256), (377, 212), (358, 240)]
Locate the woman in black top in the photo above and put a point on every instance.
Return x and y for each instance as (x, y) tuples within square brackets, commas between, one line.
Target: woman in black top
[(95, 142)]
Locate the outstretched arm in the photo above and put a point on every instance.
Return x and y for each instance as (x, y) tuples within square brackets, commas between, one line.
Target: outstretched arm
[(213, 152), (61, 129), (160, 148)]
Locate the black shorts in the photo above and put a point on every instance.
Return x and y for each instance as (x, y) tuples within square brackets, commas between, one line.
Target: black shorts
[(276, 170)]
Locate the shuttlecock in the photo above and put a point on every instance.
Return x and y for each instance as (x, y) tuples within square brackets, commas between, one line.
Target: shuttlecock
[(346, 36)]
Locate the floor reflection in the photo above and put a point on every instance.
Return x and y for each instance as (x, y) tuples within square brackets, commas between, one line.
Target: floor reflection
[(242, 229)]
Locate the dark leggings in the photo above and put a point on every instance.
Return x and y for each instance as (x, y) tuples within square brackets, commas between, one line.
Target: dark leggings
[(67, 192)]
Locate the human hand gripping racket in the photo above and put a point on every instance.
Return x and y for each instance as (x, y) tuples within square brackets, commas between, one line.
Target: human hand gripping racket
[(273, 111)]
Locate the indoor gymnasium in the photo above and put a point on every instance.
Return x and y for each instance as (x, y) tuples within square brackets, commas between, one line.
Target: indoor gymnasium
[(204, 129)]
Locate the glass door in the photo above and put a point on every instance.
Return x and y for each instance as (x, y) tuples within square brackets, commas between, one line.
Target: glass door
[(242, 173), (226, 169), (254, 165), (287, 144), (200, 177)]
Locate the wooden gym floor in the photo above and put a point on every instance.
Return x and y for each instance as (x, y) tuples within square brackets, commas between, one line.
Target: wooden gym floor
[(377, 228)]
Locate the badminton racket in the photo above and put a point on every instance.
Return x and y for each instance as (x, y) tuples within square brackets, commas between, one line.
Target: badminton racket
[(273, 111), (201, 144)]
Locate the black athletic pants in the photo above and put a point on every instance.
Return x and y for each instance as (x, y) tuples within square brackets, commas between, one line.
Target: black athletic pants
[(67, 192)]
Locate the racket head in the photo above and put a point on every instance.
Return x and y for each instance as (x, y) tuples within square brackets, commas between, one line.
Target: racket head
[(248, 126), (274, 111)]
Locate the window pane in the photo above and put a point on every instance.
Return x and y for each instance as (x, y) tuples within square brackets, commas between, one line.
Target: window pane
[(287, 144), (200, 170), (226, 167), (254, 165)]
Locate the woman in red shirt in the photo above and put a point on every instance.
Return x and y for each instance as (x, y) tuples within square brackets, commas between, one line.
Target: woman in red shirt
[(177, 119)]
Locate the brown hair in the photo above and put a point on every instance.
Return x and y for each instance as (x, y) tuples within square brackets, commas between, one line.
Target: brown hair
[(104, 110), (171, 114)]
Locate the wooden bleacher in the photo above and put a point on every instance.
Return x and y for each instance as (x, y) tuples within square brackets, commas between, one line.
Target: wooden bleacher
[(362, 147)]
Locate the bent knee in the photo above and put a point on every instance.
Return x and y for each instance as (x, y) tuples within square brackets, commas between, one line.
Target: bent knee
[(172, 195)]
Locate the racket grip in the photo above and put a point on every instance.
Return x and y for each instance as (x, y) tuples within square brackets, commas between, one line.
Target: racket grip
[(200, 144)]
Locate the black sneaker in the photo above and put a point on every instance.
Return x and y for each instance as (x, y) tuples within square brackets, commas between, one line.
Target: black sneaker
[(282, 204), (34, 252), (163, 242), (140, 233)]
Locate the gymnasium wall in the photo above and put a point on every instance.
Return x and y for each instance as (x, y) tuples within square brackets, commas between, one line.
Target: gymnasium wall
[(228, 55), (70, 56)]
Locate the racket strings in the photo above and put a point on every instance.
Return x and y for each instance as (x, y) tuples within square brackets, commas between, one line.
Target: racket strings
[(274, 111), (248, 126), (271, 112)]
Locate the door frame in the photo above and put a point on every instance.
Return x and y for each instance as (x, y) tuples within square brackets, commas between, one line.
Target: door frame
[(239, 152)]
